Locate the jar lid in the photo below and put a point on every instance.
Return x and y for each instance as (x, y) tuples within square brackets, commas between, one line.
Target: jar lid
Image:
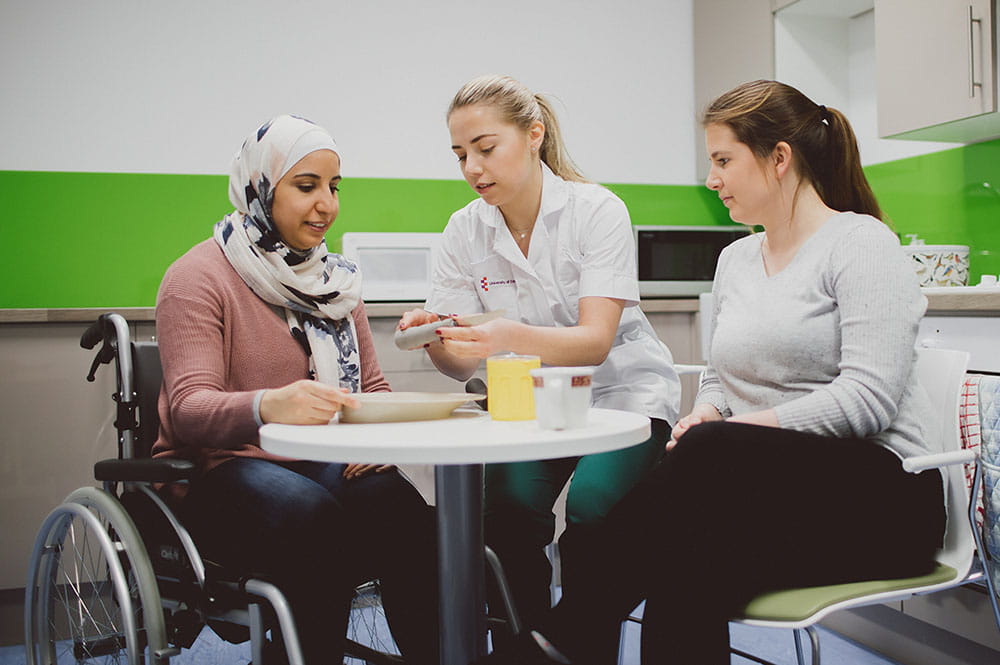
[(934, 248)]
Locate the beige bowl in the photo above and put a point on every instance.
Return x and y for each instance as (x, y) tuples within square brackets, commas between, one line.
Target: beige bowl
[(403, 406)]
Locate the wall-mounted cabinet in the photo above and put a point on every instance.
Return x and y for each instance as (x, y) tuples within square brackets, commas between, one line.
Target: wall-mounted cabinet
[(937, 69), (733, 43), (827, 49)]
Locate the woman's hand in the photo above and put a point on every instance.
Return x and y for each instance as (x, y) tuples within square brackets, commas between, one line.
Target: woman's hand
[(416, 317), (305, 402), (451, 365), (479, 341), (359, 470), (702, 413), (419, 317)]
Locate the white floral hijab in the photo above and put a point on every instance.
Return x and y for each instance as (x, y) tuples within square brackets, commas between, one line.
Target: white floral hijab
[(316, 289)]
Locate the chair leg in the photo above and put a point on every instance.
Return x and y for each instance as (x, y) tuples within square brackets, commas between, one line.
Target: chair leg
[(799, 656), (257, 636), (552, 552), (621, 643), (283, 613), (814, 636), (814, 639), (508, 598)]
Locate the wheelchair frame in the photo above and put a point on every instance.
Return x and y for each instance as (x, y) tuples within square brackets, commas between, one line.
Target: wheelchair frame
[(92, 586)]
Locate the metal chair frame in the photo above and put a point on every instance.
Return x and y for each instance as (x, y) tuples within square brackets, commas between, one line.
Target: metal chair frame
[(155, 622), (942, 373)]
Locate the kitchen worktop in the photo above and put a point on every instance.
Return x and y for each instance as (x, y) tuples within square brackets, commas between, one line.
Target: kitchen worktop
[(969, 300), (376, 310)]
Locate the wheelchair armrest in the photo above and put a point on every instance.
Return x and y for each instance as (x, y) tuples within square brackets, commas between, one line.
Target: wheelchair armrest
[(936, 460), (159, 470)]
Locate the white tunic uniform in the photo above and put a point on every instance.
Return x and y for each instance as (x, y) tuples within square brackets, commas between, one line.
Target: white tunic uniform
[(581, 245)]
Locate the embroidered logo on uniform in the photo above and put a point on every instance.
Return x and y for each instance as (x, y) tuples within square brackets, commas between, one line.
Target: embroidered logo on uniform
[(485, 283)]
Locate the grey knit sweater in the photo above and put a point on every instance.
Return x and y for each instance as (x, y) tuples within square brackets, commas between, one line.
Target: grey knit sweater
[(828, 342)]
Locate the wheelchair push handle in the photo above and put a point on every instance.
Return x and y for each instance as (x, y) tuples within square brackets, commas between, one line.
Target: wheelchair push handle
[(94, 333), (110, 328), (98, 332)]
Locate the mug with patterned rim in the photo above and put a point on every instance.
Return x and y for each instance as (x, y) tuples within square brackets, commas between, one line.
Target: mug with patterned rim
[(562, 396)]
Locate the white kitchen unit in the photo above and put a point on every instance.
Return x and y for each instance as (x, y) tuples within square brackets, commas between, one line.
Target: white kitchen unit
[(964, 317), (937, 69), (979, 335), (745, 28), (826, 49)]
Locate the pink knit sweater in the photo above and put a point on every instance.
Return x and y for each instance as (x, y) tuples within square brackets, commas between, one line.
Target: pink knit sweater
[(220, 344)]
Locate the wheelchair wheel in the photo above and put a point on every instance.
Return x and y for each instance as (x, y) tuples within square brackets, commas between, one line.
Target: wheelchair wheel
[(91, 596), (370, 641)]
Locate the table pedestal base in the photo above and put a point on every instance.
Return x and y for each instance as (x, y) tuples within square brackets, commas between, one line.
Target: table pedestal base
[(459, 498)]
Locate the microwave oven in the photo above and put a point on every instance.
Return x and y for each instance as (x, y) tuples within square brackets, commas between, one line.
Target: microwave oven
[(679, 261), (394, 266)]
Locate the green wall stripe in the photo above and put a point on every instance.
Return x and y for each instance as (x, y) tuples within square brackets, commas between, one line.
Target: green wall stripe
[(104, 240), (948, 197), (98, 240), (679, 205), (115, 234)]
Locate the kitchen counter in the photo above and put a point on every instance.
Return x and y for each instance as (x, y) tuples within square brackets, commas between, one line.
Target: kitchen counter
[(968, 300), (376, 310)]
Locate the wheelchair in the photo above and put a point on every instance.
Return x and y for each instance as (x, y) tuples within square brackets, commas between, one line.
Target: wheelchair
[(114, 577)]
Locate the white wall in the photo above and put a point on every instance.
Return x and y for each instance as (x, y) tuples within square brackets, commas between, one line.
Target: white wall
[(174, 87)]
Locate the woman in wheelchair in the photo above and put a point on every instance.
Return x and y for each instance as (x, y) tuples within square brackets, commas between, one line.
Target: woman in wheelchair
[(788, 472), (262, 324)]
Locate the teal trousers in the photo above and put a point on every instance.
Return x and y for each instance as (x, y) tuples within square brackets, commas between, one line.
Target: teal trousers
[(519, 520)]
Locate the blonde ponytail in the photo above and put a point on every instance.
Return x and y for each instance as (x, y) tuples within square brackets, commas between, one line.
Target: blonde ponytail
[(520, 107)]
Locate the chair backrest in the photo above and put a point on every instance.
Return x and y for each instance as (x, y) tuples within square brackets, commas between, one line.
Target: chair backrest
[(941, 372), (147, 378), (706, 303)]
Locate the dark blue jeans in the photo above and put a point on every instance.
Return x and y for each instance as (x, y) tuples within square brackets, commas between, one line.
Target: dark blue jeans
[(316, 536)]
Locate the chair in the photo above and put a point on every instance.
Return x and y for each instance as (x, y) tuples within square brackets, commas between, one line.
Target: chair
[(942, 373), (114, 576)]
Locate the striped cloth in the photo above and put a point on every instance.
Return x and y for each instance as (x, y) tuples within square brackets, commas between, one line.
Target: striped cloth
[(979, 416)]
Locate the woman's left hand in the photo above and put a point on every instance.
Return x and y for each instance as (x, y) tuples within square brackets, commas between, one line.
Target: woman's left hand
[(359, 470), (478, 341)]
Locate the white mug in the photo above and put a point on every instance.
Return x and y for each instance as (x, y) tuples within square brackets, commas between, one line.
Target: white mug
[(562, 396)]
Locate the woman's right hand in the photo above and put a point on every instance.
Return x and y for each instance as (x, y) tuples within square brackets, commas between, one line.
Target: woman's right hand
[(702, 413), (304, 402)]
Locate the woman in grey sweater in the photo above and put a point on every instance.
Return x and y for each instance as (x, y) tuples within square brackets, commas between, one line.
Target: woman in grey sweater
[(788, 470)]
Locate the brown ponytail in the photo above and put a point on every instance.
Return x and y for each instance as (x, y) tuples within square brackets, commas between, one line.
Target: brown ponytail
[(519, 106), (763, 113)]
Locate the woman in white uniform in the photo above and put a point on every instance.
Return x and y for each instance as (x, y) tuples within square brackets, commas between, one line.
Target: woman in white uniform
[(557, 254)]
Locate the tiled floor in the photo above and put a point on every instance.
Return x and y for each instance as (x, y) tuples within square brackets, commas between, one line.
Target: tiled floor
[(772, 644)]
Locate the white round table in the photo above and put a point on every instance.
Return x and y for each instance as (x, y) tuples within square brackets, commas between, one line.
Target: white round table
[(458, 447)]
